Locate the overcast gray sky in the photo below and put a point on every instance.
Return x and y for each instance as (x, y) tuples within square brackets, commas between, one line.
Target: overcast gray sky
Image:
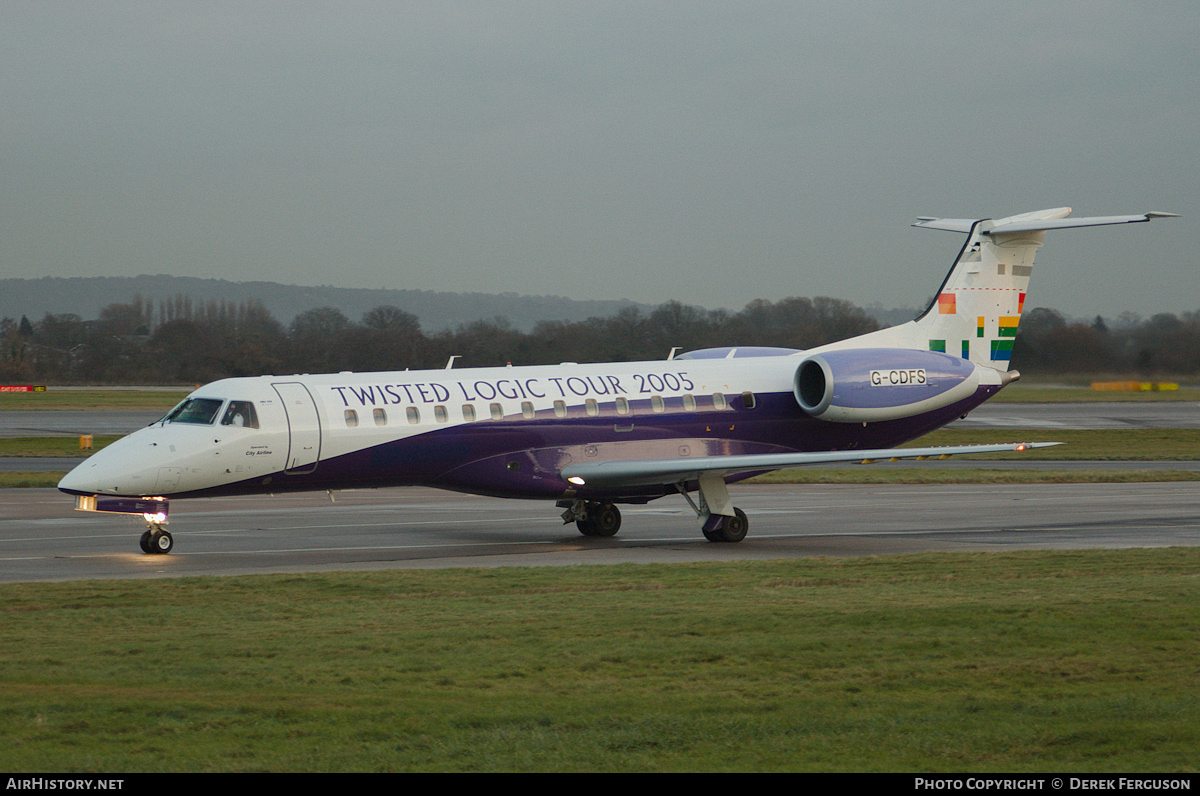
[(712, 153)]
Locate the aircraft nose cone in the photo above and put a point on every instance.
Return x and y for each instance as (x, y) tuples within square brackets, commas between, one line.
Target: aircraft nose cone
[(84, 479), (75, 481), (129, 466)]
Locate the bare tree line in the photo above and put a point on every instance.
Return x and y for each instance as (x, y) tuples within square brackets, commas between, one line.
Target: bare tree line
[(178, 340)]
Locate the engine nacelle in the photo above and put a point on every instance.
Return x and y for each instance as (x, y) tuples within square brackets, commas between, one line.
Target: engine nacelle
[(873, 384)]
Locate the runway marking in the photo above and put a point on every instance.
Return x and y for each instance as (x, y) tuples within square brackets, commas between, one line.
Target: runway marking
[(1010, 422), (493, 548)]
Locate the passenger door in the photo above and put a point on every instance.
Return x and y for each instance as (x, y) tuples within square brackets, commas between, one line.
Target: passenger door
[(304, 427)]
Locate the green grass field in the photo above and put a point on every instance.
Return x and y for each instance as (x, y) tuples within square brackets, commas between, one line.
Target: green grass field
[(1025, 392), (52, 399), (1081, 662), (1076, 661)]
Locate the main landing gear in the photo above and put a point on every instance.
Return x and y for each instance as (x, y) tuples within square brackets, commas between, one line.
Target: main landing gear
[(593, 519), (729, 529), (720, 520)]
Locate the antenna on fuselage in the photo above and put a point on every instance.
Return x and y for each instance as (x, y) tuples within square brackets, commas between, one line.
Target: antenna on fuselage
[(450, 363)]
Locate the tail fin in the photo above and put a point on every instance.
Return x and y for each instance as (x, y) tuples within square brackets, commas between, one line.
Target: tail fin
[(976, 311)]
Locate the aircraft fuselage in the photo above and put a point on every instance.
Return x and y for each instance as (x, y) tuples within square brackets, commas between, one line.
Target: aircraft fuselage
[(592, 436), (505, 432)]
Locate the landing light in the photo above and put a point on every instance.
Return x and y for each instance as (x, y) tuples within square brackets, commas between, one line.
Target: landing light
[(1021, 447), (158, 518), (576, 480)]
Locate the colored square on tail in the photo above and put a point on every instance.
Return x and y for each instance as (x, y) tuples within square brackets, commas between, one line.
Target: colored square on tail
[(1008, 325), (937, 345), (979, 327), (946, 304), (1002, 350)]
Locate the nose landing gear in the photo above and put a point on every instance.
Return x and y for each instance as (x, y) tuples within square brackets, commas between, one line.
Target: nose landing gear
[(156, 540)]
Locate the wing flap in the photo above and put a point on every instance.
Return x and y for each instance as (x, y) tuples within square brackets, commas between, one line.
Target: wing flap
[(635, 472)]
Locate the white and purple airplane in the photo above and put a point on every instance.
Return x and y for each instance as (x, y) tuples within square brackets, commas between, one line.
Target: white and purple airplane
[(590, 437)]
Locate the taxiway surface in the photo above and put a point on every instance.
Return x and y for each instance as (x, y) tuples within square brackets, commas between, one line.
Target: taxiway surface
[(42, 539)]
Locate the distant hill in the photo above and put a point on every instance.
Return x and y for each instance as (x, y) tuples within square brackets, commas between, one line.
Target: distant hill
[(86, 296)]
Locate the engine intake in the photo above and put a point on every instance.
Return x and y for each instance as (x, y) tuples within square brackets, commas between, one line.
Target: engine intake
[(874, 384)]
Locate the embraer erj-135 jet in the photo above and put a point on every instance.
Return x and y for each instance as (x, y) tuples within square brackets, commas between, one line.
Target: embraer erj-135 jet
[(591, 437)]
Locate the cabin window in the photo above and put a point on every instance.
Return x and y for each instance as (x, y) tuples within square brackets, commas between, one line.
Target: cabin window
[(593, 408), (240, 414), (440, 414), (719, 400), (689, 403), (748, 401), (622, 405), (202, 411), (656, 403), (413, 415), (527, 410), (380, 416), (497, 412), (560, 409), (351, 418), (469, 413)]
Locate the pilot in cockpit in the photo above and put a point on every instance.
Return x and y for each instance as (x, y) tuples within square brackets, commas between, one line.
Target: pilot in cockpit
[(240, 414)]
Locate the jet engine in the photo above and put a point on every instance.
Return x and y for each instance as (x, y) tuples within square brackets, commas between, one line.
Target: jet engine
[(873, 384)]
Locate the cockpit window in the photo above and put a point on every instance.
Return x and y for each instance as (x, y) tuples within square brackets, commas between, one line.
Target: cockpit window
[(201, 411), (241, 414)]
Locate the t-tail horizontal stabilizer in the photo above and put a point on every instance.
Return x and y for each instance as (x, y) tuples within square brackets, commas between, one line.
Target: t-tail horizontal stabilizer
[(1039, 221)]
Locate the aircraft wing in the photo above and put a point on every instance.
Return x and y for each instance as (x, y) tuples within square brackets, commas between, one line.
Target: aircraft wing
[(635, 472)]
